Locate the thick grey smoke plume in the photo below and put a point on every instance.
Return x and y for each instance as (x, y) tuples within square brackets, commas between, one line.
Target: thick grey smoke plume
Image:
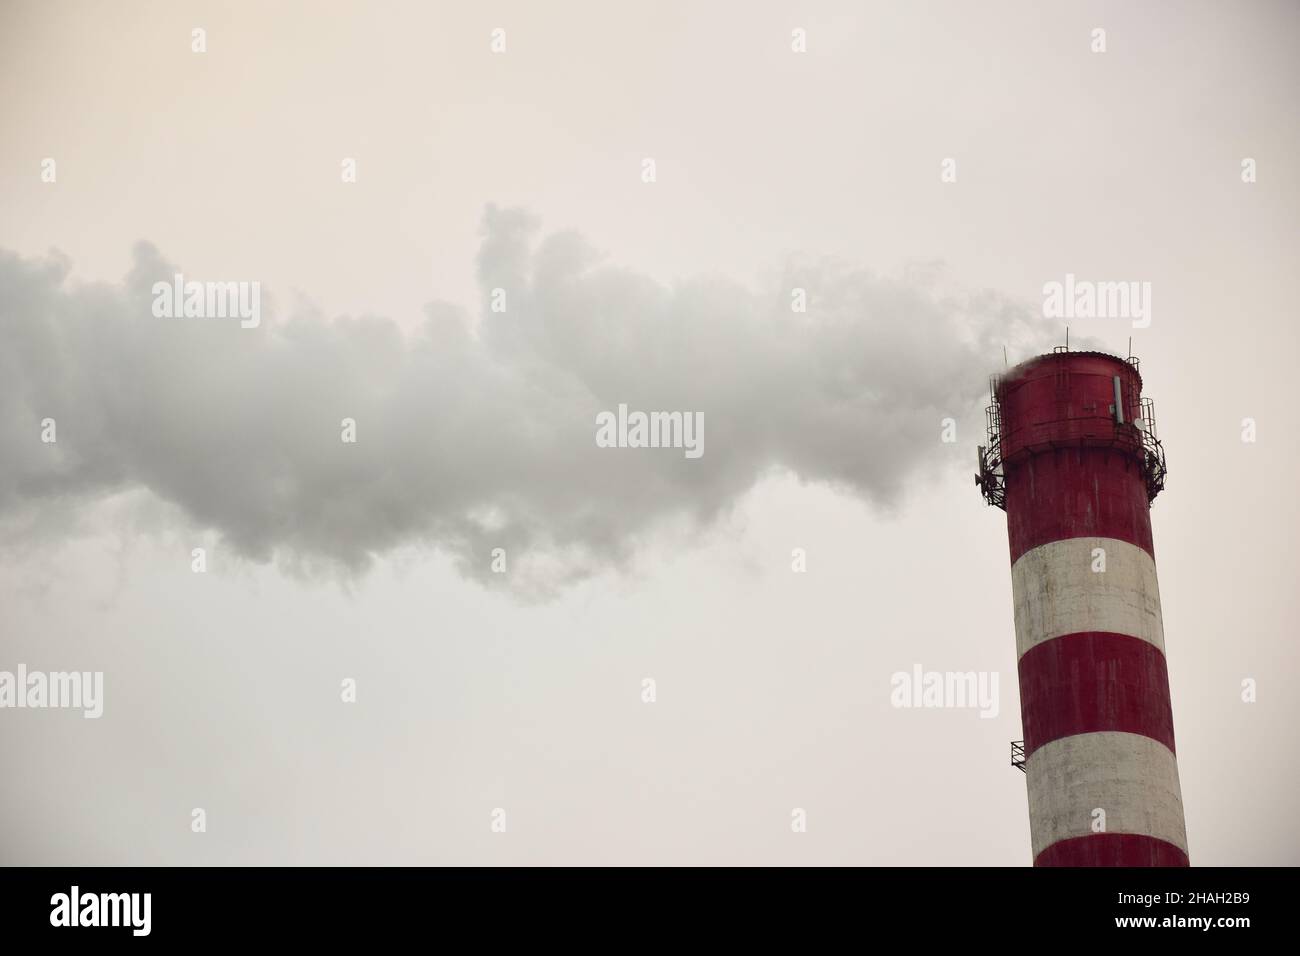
[(479, 433)]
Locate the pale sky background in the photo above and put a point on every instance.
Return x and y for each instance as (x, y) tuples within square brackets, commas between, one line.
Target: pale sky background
[(222, 690)]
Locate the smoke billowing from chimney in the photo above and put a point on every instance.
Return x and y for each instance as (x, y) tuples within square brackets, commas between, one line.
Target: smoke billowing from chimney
[(479, 432)]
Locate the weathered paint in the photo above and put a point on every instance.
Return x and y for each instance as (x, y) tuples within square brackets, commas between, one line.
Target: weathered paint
[(1094, 684), (1056, 592), (1081, 683), (1076, 492), (1133, 778), (1112, 849)]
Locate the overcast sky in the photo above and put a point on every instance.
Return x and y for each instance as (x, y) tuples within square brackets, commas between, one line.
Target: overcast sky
[(523, 170)]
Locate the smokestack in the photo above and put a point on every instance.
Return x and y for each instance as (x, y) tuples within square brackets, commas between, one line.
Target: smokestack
[(1072, 457)]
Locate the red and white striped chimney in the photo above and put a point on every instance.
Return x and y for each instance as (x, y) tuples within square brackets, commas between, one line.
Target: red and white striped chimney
[(1074, 460)]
